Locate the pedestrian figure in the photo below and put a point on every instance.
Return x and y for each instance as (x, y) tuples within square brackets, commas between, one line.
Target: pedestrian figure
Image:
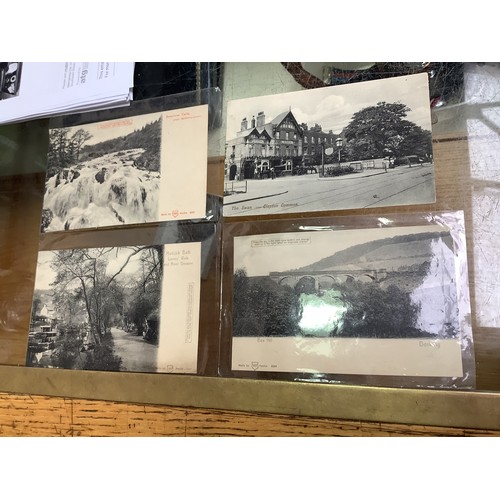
[(273, 174)]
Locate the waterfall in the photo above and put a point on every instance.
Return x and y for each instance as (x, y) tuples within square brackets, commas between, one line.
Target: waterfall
[(105, 191)]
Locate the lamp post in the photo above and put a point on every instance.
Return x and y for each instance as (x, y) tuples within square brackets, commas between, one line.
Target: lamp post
[(338, 143), (322, 160)]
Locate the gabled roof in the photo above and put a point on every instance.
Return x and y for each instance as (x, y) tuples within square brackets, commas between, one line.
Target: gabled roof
[(267, 129), (281, 117), (258, 132), (278, 119), (263, 131), (248, 132)]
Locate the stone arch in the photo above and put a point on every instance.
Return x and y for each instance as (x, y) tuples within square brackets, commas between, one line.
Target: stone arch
[(287, 280), (366, 278), (326, 281), (306, 284)]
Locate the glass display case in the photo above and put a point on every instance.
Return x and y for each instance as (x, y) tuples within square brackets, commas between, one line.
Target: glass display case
[(465, 148)]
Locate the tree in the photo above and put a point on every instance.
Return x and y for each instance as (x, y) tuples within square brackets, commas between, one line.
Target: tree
[(417, 142), (35, 308), (102, 358), (377, 313), (64, 150), (69, 344), (87, 269), (143, 308), (57, 155), (261, 307), (77, 140), (282, 313), (381, 130)]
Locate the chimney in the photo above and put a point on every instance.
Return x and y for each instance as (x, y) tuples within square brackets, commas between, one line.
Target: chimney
[(261, 119), (253, 121), (244, 124)]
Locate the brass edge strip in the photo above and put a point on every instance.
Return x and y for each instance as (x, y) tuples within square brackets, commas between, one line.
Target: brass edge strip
[(447, 408)]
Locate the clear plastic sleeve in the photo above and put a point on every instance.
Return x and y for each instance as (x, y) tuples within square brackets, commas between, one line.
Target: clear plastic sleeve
[(371, 300), (135, 300), (145, 163), (49, 319)]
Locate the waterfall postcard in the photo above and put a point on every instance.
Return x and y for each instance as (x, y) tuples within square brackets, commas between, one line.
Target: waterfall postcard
[(133, 170), (122, 308), (386, 301)]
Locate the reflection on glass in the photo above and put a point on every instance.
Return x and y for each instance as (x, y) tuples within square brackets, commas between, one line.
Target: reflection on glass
[(322, 315), (483, 126)]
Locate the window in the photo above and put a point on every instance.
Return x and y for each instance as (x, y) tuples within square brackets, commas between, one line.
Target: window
[(305, 139), (312, 139), (287, 134)]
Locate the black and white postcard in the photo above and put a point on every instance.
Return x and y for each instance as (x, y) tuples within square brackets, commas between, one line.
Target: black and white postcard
[(146, 168), (379, 301), (133, 308), (359, 145)]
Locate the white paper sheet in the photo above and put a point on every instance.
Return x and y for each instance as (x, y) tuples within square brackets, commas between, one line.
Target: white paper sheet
[(46, 89), (180, 306)]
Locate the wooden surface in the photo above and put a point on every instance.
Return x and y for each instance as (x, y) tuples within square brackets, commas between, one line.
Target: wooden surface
[(25, 415)]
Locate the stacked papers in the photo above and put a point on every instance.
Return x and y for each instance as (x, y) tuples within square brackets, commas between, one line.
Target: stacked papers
[(36, 90)]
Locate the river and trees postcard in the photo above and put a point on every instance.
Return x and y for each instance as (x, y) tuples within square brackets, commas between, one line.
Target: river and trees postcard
[(131, 308)]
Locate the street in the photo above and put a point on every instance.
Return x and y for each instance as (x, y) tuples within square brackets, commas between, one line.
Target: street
[(309, 193), (137, 355)]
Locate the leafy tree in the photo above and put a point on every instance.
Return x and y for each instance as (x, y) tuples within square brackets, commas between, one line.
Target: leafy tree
[(374, 312), (382, 130), (57, 155), (87, 269), (69, 344), (81, 275), (261, 307), (102, 358), (35, 308), (64, 150), (68, 305), (282, 313), (77, 140), (144, 305), (245, 321), (417, 142)]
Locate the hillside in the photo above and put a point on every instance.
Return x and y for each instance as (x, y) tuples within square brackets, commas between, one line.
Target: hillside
[(148, 139), (388, 253)]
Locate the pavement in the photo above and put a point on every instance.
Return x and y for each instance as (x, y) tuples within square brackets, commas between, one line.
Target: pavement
[(275, 187)]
